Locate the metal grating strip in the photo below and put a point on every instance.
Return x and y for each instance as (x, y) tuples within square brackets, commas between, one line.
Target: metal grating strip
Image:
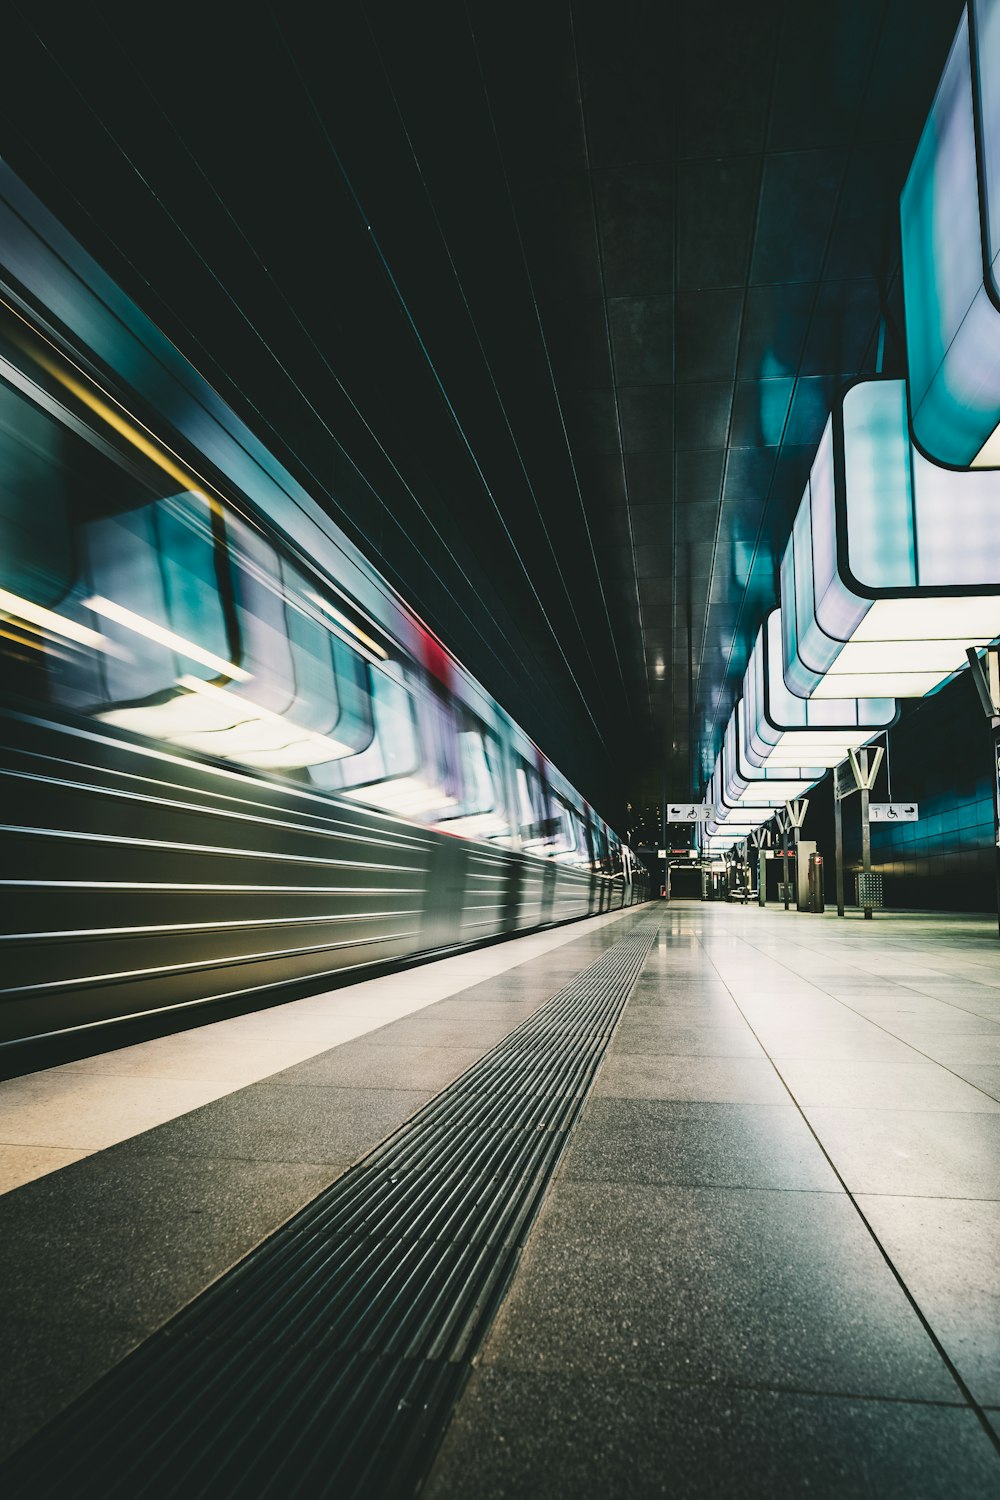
[(327, 1361)]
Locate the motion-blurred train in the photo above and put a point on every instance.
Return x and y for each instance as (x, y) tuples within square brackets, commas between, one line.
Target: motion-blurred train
[(232, 759)]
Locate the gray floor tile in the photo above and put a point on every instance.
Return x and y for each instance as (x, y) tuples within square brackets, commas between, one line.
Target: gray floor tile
[(427, 1029), (491, 1008), (48, 1363), (800, 1012), (723, 1080), (700, 1284), (948, 1252), (273, 1122), (865, 1084), (906, 1005), (919, 1153), (687, 1012), (133, 1235), (692, 986), (834, 1044), (906, 1023), (985, 1077), (956, 1047), (707, 1145), (95, 1258), (356, 1065), (557, 1437), (659, 1032)]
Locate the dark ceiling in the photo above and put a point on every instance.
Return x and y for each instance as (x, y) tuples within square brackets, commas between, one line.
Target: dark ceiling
[(545, 303)]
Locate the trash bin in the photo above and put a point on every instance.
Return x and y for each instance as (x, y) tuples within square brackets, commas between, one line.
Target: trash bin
[(817, 901)]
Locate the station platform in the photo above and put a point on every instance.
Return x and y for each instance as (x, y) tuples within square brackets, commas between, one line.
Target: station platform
[(749, 1243)]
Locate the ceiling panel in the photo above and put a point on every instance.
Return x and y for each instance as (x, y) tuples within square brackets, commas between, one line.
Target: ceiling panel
[(703, 412), (546, 304), (635, 206), (642, 330), (791, 246)]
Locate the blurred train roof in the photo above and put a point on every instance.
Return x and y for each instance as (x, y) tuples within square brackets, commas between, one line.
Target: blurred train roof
[(545, 302)]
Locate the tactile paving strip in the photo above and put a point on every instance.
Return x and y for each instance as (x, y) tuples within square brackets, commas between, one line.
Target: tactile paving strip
[(327, 1361)]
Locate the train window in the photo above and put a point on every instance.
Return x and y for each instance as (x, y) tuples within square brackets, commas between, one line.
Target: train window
[(316, 700), (535, 824), (355, 727), (332, 694), (36, 559), (590, 847), (120, 563), (391, 773), (439, 717), (581, 855), (494, 765), (601, 851), (169, 565), (567, 843), (525, 810), (193, 574), (265, 647), (481, 812)]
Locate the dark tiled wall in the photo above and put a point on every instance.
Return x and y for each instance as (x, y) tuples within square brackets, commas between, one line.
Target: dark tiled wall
[(940, 756)]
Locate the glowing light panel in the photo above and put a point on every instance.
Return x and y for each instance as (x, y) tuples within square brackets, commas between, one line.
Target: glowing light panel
[(950, 221), (782, 729), (893, 564)]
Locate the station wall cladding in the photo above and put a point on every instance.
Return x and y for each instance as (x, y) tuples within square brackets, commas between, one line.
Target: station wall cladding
[(941, 756)]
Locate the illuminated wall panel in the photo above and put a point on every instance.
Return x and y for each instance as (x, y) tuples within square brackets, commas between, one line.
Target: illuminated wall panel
[(950, 221)]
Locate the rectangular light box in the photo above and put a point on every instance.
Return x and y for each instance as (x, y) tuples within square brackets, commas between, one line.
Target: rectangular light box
[(893, 565)]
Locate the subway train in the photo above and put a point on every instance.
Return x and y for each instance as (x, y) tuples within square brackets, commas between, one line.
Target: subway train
[(234, 761)]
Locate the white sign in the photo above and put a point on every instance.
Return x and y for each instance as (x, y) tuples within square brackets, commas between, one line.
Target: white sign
[(689, 812), (661, 853), (843, 781), (893, 812)]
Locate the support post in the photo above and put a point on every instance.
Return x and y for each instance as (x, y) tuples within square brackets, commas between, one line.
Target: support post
[(783, 825), (996, 807), (838, 826), (795, 816), (987, 685), (866, 832), (666, 849)]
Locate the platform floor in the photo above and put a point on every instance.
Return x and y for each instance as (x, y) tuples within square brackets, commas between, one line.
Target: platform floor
[(59, 1115), (769, 1263)]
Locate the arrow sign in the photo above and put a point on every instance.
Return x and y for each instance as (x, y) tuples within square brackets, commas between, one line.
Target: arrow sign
[(688, 812), (893, 812)]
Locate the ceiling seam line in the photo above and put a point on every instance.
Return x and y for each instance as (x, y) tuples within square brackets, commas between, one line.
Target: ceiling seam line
[(548, 361), (610, 341), (437, 380), (674, 595), (482, 350)]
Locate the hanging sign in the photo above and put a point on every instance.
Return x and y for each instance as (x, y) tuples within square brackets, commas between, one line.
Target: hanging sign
[(843, 780), (689, 812), (893, 812)]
